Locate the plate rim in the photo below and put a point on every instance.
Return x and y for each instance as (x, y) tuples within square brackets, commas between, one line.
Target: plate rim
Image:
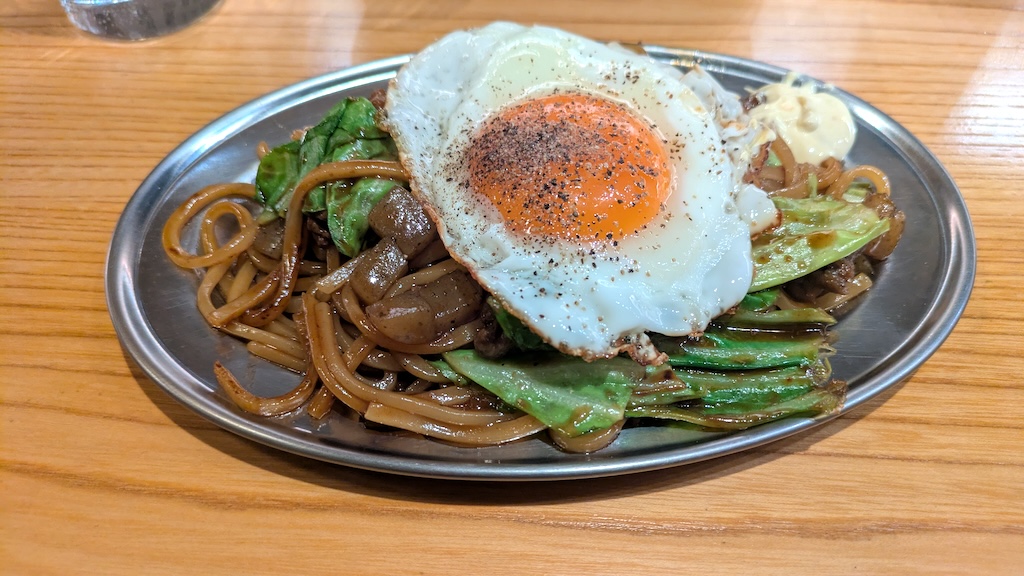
[(132, 326)]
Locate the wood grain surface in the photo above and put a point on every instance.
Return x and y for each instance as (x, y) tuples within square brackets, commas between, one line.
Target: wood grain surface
[(102, 473)]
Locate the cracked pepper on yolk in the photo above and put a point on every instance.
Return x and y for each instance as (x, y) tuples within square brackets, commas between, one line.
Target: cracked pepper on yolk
[(571, 166)]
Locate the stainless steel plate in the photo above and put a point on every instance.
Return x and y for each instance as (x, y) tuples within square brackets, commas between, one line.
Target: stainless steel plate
[(920, 294)]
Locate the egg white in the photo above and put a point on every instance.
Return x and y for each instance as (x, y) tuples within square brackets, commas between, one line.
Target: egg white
[(591, 299)]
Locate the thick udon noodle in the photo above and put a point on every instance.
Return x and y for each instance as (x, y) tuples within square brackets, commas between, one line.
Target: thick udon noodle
[(829, 177), (305, 316)]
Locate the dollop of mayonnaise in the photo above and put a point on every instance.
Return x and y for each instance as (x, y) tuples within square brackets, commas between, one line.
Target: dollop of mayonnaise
[(814, 124)]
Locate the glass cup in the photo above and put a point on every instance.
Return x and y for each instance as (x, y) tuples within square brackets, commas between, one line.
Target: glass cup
[(135, 19)]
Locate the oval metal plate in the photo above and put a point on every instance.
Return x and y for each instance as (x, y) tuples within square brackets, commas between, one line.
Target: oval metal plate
[(918, 298)]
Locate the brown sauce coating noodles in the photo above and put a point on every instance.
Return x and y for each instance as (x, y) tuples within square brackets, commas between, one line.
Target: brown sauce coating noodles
[(328, 339), (303, 313)]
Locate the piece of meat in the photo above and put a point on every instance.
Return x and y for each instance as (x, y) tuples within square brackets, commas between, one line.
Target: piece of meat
[(379, 268), (491, 341), (883, 205), (319, 234), (423, 314), (378, 98), (399, 215), (270, 239), (831, 278)]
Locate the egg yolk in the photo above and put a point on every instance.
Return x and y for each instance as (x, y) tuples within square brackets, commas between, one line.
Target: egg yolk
[(571, 166)]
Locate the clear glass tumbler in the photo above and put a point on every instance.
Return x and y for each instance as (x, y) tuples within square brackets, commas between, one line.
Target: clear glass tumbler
[(135, 19)]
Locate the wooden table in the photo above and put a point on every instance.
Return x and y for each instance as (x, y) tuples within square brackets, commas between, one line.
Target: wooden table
[(102, 473)]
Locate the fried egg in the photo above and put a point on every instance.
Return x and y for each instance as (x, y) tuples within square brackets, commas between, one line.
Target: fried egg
[(595, 193)]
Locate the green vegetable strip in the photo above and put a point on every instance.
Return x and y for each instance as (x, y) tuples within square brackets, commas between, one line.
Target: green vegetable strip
[(817, 401), (754, 312), (743, 349), (359, 119), (348, 211), (448, 372), (671, 396), (752, 391), (359, 150), (277, 173), (857, 192), (759, 301), (749, 389), (564, 392), (815, 231), (780, 319)]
